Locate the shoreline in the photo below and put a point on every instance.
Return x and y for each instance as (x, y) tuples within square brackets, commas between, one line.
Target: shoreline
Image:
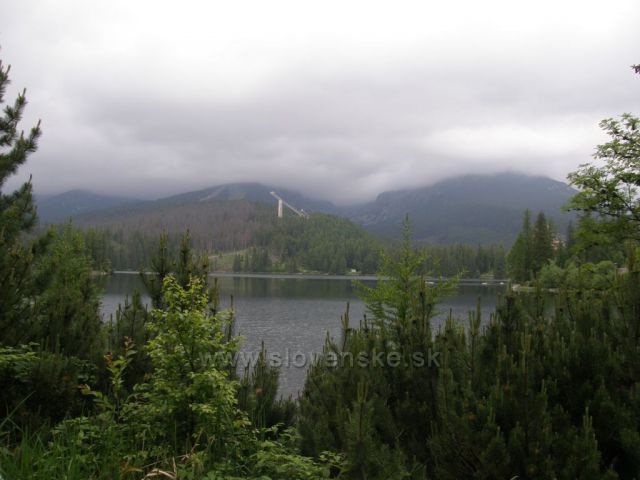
[(324, 276)]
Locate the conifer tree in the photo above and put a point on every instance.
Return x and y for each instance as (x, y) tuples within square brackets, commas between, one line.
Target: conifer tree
[(519, 258), (17, 218), (258, 395), (161, 266), (129, 328), (67, 307), (542, 242), (184, 266)]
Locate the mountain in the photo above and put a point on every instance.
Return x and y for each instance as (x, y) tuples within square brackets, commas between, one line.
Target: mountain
[(88, 207), (472, 209), (235, 228), (251, 192), (237, 224), (231, 218), (58, 208)]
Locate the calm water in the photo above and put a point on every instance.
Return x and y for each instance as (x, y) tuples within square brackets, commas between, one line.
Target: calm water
[(293, 315)]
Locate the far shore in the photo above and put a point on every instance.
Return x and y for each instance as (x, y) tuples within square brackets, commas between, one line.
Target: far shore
[(321, 276)]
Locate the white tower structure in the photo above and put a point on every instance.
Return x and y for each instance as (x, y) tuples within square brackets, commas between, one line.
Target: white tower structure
[(282, 204)]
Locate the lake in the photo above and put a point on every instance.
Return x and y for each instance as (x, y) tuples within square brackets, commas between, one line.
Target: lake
[(292, 314)]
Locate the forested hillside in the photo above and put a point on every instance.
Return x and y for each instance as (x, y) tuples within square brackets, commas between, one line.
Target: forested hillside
[(246, 236), (237, 235)]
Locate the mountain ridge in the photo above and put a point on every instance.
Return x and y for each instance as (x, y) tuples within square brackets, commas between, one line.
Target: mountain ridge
[(487, 208), (465, 209), (62, 206)]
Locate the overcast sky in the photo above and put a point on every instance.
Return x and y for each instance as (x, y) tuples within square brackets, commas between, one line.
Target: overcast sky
[(336, 99)]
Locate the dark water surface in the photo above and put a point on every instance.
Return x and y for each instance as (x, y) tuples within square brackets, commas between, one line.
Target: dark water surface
[(293, 314)]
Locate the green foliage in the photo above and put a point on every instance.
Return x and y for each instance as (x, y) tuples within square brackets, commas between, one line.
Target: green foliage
[(17, 219), (99, 246), (552, 275), (400, 294), (258, 395), (116, 367), (534, 248), (486, 261), (322, 243), (67, 312), (542, 248), (184, 265), (130, 326), (591, 243), (519, 258), (610, 190), (372, 394), (190, 392), (579, 276), (253, 260), (64, 323), (259, 241), (513, 413), (535, 393), (273, 459), (40, 386), (160, 267), (237, 263), (182, 422)]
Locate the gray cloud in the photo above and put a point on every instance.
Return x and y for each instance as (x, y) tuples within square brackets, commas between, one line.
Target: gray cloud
[(340, 103)]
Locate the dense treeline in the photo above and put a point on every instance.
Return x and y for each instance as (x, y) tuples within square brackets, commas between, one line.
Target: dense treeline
[(263, 242), (581, 256), (321, 243), (117, 249), (533, 248), (467, 261)]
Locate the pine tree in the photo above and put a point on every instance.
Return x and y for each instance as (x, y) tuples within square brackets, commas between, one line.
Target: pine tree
[(542, 243), (161, 266), (189, 264), (130, 329), (258, 395), (67, 307), (17, 218), (531, 248), (518, 258), (186, 265)]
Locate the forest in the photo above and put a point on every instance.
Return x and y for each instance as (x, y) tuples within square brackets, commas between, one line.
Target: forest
[(547, 388), (319, 244)]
